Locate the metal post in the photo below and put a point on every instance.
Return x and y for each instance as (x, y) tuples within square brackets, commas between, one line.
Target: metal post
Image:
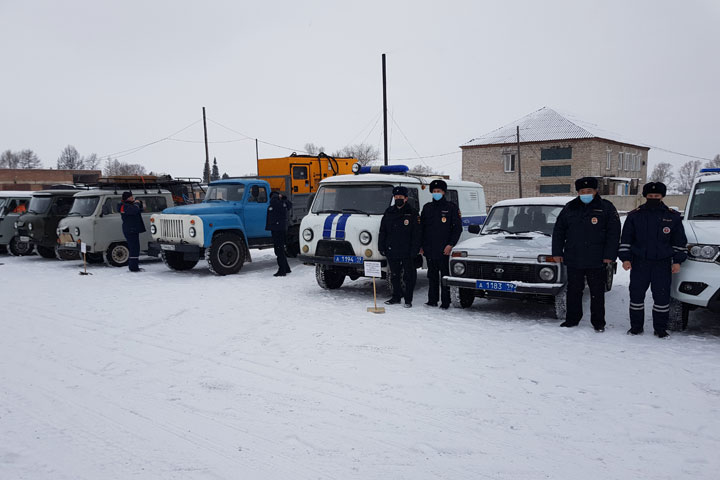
[(257, 157), (385, 139), (207, 155), (519, 167)]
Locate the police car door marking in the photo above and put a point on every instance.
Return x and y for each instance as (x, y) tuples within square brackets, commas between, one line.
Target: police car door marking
[(340, 229), (327, 227)]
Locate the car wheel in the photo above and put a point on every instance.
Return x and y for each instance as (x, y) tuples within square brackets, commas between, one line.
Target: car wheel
[(461, 297), (561, 304), (226, 254), (16, 248), (678, 316), (175, 261), (328, 278), (46, 252), (117, 255), (95, 258)]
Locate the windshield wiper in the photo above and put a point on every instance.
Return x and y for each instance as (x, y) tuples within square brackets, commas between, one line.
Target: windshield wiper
[(355, 210), (71, 214), (329, 211), (216, 200), (497, 230), (535, 231), (706, 215)]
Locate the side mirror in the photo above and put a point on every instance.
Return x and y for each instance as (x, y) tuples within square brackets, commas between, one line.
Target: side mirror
[(474, 229)]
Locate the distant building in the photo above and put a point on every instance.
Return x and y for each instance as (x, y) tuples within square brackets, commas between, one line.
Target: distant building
[(38, 179), (554, 151)]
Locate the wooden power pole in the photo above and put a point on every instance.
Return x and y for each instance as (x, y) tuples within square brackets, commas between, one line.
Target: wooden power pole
[(207, 155), (518, 162), (385, 139)]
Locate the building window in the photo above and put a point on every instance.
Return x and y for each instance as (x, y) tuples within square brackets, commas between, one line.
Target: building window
[(639, 162), (509, 161), (555, 188), (556, 153), (626, 160), (620, 161), (608, 160), (556, 171)]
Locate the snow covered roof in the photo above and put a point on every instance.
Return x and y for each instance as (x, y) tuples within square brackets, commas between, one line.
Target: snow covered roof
[(393, 179), (546, 124), (561, 201), (15, 193)]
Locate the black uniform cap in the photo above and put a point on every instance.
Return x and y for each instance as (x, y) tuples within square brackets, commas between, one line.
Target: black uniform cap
[(438, 184), (126, 195), (586, 182), (654, 187), (400, 190)]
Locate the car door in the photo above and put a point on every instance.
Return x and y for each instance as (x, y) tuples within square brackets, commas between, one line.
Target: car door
[(255, 211)]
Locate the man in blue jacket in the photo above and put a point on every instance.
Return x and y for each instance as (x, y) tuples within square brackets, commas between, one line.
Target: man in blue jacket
[(276, 223), (585, 238), (652, 247), (132, 226)]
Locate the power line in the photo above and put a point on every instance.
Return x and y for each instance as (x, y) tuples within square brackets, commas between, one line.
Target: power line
[(130, 151)]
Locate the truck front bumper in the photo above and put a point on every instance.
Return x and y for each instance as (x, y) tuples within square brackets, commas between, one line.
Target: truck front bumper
[(520, 287), (189, 252)]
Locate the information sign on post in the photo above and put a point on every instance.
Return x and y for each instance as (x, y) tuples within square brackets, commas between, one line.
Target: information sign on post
[(374, 270)]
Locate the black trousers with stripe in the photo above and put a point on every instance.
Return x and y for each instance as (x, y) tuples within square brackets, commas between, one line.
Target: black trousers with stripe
[(576, 285), (656, 274)]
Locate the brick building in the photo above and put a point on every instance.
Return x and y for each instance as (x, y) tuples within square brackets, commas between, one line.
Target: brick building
[(554, 151), (38, 179)]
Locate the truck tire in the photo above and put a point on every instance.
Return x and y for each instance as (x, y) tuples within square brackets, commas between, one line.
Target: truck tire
[(226, 254), (461, 297), (175, 261), (46, 252), (16, 248), (95, 258), (561, 304), (679, 315), (328, 278), (117, 254), (67, 254)]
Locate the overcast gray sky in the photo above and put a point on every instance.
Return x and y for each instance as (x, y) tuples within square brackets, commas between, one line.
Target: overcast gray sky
[(110, 76)]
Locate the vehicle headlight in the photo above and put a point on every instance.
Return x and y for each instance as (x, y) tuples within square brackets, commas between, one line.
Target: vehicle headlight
[(703, 253), (547, 274), (307, 234), (153, 229), (458, 268), (15, 225), (365, 237), (29, 226), (77, 231), (192, 232)]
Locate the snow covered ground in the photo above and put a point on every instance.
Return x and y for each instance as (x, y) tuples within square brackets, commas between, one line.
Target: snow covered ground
[(165, 375)]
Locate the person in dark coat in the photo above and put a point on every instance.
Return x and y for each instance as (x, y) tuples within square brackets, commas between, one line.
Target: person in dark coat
[(652, 247), (441, 226), (585, 238), (276, 223), (399, 241), (132, 226)]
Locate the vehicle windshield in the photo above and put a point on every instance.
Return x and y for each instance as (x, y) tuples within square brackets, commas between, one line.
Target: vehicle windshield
[(522, 219), (40, 204), (705, 202), (84, 206), (368, 199), (225, 193)]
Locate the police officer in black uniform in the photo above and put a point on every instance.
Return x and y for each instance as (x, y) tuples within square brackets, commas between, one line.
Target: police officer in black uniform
[(441, 229), (132, 227), (399, 241), (276, 222), (585, 238), (652, 247)]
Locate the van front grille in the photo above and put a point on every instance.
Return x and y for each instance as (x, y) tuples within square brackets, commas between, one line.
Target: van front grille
[(172, 228)]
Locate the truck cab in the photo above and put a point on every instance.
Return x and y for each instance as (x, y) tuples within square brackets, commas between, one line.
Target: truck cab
[(340, 233), (697, 285), (12, 205)]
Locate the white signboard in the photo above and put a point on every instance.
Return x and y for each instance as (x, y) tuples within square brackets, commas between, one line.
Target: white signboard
[(83, 247), (373, 269)]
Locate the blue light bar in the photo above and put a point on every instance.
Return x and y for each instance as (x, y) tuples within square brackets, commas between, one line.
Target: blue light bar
[(380, 169), (710, 170)]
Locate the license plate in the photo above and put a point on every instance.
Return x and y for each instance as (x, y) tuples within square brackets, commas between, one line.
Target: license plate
[(70, 244), (165, 246), (498, 286), (24, 239), (352, 259)]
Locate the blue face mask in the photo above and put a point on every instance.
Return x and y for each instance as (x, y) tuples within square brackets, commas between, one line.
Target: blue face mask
[(587, 198), (437, 196)]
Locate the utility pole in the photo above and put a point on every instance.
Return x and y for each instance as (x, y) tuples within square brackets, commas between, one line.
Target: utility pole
[(207, 155), (257, 157), (384, 109), (518, 162)]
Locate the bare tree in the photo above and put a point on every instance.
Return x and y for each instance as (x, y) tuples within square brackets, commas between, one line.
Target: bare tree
[(424, 170), (714, 163), (313, 149), (22, 159), (225, 176), (365, 153), (686, 175), (91, 162), (116, 168), (69, 159), (663, 172)]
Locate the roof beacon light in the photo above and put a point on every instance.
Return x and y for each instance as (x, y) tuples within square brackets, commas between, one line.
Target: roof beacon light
[(357, 168), (709, 170)]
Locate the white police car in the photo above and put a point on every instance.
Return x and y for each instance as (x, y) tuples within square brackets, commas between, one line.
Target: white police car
[(341, 231), (698, 282)]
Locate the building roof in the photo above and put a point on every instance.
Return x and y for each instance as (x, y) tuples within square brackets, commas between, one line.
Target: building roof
[(545, 125)]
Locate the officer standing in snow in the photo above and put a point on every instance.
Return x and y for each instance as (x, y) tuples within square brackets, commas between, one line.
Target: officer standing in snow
[(652, 247), (132, 227), (585, 239), (276, 222), (441, 229), (399, 241)]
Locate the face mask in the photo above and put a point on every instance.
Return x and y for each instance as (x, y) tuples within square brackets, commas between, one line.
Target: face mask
[(437, 196), (586, 198), (653, 202), (399, 202)]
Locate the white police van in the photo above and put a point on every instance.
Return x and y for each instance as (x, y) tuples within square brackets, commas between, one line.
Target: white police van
[(698, 282), (341, 231)]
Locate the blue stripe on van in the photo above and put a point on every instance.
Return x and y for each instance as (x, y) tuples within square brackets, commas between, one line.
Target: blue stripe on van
[(476, 220), (327, 227), (340, 230)]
